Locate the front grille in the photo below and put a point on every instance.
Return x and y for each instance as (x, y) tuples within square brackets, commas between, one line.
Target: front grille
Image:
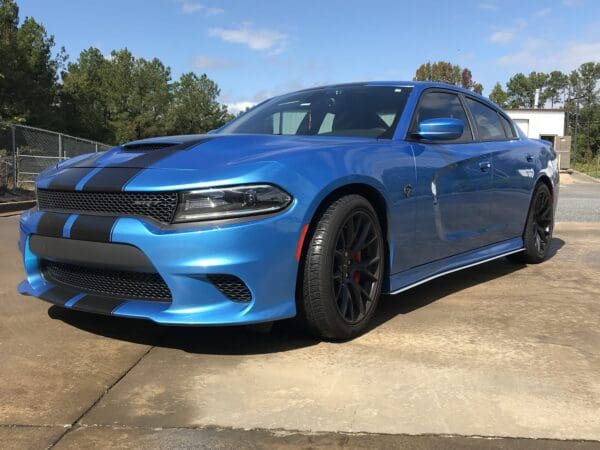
[(160, 206), (231, 286), (112, 283)]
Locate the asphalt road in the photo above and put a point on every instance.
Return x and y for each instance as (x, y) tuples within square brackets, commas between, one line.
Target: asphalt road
[(490, 357), (579, 199)]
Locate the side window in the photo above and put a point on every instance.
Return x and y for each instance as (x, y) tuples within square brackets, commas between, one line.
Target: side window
[(508, 128), (434, 105), (327, 124), (487, 121), (387, 116), (287, 122)]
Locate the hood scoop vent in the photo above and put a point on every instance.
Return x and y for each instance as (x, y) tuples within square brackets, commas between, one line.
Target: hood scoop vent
[(148, 146)]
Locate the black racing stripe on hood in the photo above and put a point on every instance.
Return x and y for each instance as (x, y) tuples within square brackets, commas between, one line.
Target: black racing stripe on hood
[(70, 176), (58, 295), (92, 228), (111, 180), (97, 304), (51, 224)]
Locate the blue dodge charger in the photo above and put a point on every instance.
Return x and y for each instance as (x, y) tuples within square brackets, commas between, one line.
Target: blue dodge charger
[(312, 204)]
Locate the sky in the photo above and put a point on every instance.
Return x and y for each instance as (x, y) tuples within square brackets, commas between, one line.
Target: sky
[(257, 49)]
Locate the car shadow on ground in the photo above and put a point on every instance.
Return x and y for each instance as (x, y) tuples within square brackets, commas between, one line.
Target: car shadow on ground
[(420, 296), (284, 335)]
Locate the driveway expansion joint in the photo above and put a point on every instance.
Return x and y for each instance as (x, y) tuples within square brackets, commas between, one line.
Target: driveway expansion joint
[(76, 423)]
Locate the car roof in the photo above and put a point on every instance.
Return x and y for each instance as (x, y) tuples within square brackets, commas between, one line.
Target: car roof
[(421, 85)]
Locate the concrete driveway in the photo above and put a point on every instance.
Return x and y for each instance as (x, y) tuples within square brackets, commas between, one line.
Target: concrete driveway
[(497, 351)]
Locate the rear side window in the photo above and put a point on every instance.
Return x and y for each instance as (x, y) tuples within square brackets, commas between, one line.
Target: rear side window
[(508, 128), (287, 122), (435, 105), (487, 121)]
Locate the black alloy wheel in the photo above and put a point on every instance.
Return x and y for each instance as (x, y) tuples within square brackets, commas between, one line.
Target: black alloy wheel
[(343, 269), (356, 263), (542, 221), (538, 229)]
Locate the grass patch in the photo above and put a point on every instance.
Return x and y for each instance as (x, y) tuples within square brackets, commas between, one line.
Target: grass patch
[(589, 168)]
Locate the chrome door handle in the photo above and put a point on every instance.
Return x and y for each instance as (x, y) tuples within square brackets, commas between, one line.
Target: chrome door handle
[(529, 158), (485, 166)]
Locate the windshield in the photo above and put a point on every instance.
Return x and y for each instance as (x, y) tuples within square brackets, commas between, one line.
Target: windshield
[(357, 110)]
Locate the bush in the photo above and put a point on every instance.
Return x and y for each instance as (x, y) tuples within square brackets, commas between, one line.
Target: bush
[(591, 168)]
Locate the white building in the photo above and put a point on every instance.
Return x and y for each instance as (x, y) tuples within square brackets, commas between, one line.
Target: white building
[(548, 124), (539, 123)]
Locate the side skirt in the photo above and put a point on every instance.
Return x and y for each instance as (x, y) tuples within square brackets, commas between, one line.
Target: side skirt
[(416, 276)]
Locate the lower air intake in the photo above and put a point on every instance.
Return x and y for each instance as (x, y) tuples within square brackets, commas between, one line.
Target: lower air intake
[(113, 283), (231, 287)]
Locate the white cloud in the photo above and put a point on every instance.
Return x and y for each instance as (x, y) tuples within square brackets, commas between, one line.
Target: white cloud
[(525, 55), (206, 62), (520, 23), (543, 12), (502, 36), (541, 55), (260, 39), (191, 7), (213, 11), (237, 107), (489, 6), (576, 53)]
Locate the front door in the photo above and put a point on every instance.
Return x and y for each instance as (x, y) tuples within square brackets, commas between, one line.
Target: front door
[(454, 186)]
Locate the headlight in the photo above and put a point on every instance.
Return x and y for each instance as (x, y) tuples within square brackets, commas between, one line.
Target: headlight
[(227, 202)]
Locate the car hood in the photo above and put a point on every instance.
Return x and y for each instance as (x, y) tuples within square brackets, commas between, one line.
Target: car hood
[(208, 151)]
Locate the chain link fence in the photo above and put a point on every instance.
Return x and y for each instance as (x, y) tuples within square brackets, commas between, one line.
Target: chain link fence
[(26, 151)]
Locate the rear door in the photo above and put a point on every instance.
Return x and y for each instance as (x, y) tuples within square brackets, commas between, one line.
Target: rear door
[(513, 169), (454, 183)]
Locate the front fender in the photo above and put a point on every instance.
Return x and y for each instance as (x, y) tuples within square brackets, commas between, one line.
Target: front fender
[(339, 183)]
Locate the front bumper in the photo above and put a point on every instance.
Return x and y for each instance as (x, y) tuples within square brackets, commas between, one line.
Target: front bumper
[(260, 252)]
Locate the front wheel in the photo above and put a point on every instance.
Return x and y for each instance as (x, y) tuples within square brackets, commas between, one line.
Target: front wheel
[(343, 269), (538, 229)]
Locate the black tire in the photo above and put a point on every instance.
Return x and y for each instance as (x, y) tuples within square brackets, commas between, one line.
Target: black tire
[(343, 270), (538, 228)]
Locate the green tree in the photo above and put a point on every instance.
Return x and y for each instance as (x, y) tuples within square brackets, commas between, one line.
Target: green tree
[(441, 71), (150, 98), (85, 100), (499, 96), (445, 72), (555, 89), (584, 111), (28, 69), (195, 108), (466, 79), (116, 99), (587, 78), (538, 81), (122, 98), (519, 92)]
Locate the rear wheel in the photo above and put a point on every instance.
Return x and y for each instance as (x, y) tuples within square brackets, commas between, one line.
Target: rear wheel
[(343, 269), (538, 229)]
